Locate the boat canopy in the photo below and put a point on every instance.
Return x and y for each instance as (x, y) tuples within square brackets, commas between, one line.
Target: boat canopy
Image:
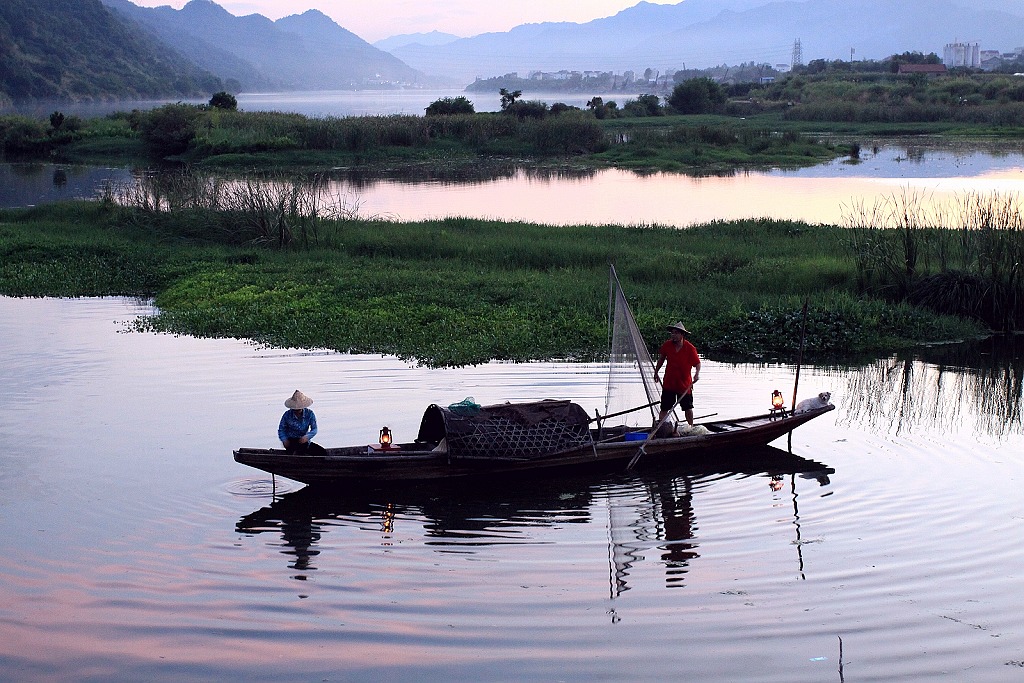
[(516, 431)]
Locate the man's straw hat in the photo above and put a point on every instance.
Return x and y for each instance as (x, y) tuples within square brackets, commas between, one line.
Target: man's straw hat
[(298, 400)]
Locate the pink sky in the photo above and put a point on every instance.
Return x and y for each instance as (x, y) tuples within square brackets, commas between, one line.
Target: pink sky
[(375, 19)]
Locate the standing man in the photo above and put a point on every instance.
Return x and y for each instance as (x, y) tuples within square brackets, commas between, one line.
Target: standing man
[(681, 357)]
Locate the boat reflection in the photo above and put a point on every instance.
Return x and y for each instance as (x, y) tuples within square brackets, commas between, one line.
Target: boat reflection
[(652, 511), (941, 388), (662, 516)]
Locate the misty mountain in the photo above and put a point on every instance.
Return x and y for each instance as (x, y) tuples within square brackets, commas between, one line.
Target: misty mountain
[(704, 33), (433, 38), (78, 50), (306, 51), (237, 72)]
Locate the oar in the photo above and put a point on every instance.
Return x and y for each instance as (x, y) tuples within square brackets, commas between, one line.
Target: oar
[(653, 431), (623, 412)]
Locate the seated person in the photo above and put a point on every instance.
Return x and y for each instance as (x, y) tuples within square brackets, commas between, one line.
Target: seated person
[(298, 426)]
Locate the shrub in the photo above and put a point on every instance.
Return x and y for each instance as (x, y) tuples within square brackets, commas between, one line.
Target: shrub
[(561, 108), (567, 134), (22, 135), (644, 105), (530, 109), (697, 96), (169, 129), (224, 100), (447, 106)]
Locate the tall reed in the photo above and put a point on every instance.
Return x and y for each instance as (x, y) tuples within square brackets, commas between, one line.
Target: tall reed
[(274, 210), (962, 258)]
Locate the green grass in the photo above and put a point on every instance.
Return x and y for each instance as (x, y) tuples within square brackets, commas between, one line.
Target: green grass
[(462, 291)]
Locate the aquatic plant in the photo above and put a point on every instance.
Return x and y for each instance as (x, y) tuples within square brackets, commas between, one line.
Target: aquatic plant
[(961, 259), (458, 291)]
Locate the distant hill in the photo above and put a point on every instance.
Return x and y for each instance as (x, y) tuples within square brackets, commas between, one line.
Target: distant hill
[(301, 52), (78, 50), (705, 33), (433, 38)]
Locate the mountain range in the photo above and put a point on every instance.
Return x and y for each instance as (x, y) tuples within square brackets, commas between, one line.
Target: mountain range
[(705, 33), (78, 50), (305, 51), (107, 49)]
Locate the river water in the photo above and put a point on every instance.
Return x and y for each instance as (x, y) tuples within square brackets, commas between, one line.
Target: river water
[(928, 172), (132, 546), (934, 172)]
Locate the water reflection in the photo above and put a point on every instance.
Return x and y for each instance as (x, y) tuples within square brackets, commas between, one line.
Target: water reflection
[(651, 512), (937, 388), (30, 184), (467, 173), (564, 194)]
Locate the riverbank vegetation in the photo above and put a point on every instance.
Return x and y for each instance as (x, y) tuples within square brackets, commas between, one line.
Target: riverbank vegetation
[(965, 258), (531, 133), (455, 291), (701, 127)]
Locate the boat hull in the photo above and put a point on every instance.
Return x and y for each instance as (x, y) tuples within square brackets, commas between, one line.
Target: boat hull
[(358, 464)]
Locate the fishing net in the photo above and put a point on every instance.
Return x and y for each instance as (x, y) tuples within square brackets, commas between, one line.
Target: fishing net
[(630, 367), (509, 431)]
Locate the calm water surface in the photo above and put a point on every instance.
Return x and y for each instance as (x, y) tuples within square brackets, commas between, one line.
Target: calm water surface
[(134, 548), (933, 173), (937, 170)]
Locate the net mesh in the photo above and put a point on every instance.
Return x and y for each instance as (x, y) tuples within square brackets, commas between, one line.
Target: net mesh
[(630, 367)]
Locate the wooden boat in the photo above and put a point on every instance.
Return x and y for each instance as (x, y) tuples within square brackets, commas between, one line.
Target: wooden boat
[(467, 440), (510, 439)]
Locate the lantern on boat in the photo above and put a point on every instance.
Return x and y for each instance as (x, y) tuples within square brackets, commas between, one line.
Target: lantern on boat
[(777, 400), (385, 438)]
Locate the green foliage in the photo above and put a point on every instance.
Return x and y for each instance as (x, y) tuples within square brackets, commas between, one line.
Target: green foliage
[(697, 96), (81, 50), (21, 135), (962, 260), (224, 100), (643, 105), (975, 99), (457, 291), (710, 148), (566, 134), (530, 109), (168, 130), (561, 108), (508, 98), (447, 106)]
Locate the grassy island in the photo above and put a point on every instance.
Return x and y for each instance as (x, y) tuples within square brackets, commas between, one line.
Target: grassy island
[(463, 291), (207, 137)]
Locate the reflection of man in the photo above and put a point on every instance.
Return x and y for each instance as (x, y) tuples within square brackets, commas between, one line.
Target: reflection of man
[(677, 386), (677, 520)]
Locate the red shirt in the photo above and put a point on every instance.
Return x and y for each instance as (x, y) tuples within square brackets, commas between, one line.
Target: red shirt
[(678, 365)]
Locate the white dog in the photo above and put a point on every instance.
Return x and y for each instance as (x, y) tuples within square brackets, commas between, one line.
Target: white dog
[(813, 403)]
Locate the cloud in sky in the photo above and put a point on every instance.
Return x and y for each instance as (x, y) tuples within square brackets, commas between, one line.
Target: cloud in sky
[(375, 19)]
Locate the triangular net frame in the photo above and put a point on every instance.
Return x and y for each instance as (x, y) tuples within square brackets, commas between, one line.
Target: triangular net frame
[(630, 367)]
